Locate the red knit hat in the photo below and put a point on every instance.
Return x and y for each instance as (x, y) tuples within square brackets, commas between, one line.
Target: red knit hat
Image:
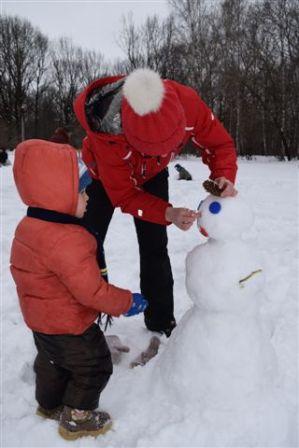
[(153, 118)]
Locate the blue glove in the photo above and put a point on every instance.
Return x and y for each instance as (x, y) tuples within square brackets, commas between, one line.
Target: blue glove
[(138, 306)]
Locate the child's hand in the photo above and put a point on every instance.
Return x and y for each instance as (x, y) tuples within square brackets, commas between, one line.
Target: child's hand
[(138, 306)]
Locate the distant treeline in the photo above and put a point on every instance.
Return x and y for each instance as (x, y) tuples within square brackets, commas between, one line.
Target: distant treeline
[(242, 56)]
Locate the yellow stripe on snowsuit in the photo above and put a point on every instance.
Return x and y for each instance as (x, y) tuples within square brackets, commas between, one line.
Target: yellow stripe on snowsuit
[(104, 271)]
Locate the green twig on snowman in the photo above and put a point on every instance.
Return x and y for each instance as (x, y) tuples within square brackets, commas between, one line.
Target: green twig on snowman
[(243, 280)]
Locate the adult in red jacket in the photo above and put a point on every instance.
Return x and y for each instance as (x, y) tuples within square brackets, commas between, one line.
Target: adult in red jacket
[(135, 125)]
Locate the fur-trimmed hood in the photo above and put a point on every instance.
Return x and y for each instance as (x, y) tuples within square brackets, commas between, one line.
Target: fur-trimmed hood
[(83, 100)]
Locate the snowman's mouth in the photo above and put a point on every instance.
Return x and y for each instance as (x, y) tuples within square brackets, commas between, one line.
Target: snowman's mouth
[(203, 231)]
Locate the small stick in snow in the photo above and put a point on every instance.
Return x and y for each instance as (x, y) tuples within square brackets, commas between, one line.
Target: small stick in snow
[(243, 280), (148, 354), (116, 348)]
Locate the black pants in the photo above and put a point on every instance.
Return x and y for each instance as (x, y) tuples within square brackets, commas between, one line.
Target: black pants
[(71, 369), (156, 281)]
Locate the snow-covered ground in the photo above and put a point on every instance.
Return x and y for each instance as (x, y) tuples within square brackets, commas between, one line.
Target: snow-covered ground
[(142, 416)]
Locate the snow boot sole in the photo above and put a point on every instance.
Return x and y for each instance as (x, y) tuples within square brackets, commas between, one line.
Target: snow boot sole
[(73, 435)]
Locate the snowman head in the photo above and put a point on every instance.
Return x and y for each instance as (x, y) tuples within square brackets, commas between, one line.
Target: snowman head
[(224, 219)]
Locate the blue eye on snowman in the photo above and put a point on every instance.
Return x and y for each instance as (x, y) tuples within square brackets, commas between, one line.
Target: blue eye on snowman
[(215, 207)]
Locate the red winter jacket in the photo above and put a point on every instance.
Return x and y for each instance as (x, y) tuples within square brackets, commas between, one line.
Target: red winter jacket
[(123, 170), (54, 265)]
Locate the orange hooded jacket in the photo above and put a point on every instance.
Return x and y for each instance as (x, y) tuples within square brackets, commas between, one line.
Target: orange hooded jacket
[(54, 265)]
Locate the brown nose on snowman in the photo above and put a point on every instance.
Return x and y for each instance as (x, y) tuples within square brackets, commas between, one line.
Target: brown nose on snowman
[(230, 373)]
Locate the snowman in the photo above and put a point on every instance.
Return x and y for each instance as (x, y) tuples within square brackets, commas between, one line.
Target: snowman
[(230, 372)]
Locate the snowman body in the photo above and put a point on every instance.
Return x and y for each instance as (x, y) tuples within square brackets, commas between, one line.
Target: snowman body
[(230, 371), (237, 359)]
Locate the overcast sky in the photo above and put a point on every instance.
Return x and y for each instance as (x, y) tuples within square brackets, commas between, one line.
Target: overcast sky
[(93, 25)]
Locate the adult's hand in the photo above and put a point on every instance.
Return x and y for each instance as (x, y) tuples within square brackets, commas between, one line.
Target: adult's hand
[(181, 217), (226, 186)]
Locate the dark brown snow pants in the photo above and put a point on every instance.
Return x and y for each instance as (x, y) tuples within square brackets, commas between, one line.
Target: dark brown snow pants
[(71, 369)]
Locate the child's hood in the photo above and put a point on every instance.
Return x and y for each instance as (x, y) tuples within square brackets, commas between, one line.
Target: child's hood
[(46, 175)]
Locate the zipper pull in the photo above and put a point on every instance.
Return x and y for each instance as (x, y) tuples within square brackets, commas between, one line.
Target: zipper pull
[(143, 169)]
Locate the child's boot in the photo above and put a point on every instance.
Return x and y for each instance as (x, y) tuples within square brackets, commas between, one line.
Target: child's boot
[(75, 423), (53, 414)]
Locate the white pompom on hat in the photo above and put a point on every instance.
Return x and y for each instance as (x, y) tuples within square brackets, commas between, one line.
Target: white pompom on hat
[(144, 90), (153, 118)]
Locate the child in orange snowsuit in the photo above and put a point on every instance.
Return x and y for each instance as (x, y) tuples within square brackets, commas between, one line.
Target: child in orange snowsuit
[(60, 289)]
